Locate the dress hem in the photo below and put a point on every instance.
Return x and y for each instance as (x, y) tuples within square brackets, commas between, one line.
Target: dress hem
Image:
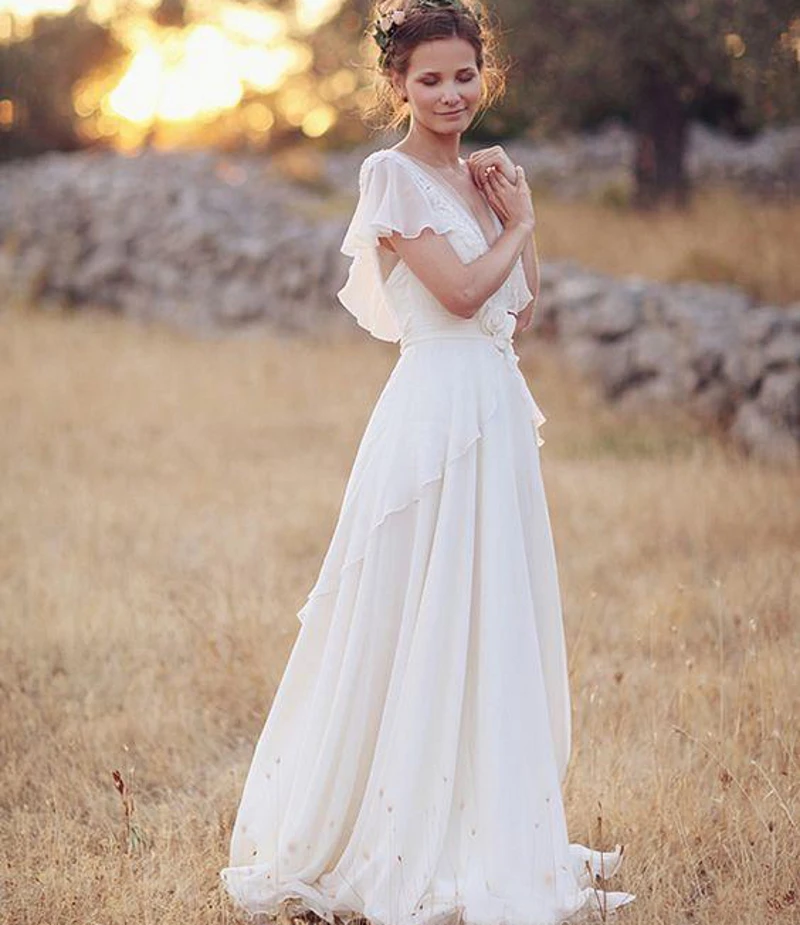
[(595, 904)]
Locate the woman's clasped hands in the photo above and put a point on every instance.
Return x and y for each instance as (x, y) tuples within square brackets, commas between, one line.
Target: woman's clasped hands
[(506, 190), (504, 185)]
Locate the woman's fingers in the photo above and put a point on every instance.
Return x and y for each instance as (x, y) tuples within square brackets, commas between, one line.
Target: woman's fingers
[(510, 199), (476, 170), (484, 166), (499, 187), (492, 197), (493, 158), (499, 184), (500, 180)]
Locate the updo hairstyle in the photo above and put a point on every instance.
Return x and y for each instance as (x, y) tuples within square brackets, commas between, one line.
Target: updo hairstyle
[(425, 21)]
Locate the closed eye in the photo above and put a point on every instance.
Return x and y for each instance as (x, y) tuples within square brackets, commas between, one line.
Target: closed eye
[(462, 78)]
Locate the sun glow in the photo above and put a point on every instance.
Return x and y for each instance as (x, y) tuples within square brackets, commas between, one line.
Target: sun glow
[(180, 79), (311, 14)]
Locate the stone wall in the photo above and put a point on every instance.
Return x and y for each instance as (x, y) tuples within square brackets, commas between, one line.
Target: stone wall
[(211, 243), (190, 239), (768, 164), (705, 347)]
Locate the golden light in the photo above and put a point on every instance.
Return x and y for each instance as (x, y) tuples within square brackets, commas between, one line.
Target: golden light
[(136, 96), (311, 14), (252, 24), (791, 38), (17, 16), (734, 45), (337, 85), (295, 102), (105, 125), (87, 97), (266, 69), (6, 113), (103, 11), (175, 78), (30, 9), (318, 121), (204, 80), (258, 117)]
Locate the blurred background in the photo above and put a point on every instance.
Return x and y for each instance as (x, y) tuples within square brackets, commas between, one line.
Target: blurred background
[(260, 76), (181, 399)]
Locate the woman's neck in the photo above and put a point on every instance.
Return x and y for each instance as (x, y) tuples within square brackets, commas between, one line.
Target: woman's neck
[(440, 151)]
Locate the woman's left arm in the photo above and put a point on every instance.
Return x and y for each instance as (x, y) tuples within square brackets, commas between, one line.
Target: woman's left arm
[(495, 158), (530, 263)]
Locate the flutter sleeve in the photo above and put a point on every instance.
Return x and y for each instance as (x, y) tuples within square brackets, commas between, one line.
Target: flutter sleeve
[(390, 199)]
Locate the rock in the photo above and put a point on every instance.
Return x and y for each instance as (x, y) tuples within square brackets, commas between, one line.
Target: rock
[(614, 316), (781, 351), (653, 353), (610, 364), (762, 437), (743, 369), (167, 236), (780, 398), (791, 315), (644, 390), (706, 362), (760, 325), (714, 403)]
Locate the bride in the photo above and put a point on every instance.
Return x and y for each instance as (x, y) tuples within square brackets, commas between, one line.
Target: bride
[(411, 764)]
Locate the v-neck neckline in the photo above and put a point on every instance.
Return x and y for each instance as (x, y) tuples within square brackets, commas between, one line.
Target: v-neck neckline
[(463, 204)]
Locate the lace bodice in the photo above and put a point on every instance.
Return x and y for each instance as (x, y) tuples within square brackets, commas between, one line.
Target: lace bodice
[(398, 194)]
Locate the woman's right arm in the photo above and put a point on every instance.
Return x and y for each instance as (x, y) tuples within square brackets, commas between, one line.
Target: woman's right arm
[(464, 288), (461, 287)]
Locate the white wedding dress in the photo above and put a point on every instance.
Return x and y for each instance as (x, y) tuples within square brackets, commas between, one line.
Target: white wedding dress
[(411, 763)]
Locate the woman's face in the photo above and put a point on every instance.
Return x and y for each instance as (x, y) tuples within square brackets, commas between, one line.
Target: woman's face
[(443, 85)]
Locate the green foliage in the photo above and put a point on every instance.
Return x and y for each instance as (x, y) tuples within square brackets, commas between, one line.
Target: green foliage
[(657, 65), (579, 61)]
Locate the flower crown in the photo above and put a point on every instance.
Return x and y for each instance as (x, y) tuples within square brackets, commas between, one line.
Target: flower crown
[(392, 14)]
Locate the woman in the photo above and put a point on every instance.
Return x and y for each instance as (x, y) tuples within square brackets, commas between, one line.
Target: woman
[(410, 766)]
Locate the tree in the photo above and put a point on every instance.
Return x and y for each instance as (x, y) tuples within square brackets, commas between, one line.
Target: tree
[(657, 65), (38, 74)]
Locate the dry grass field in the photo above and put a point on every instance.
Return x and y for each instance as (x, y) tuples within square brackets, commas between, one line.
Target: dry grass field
[(164, 506), (723, 237)]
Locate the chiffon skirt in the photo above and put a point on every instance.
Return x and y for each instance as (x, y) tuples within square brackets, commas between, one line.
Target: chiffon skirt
[(410, 766)]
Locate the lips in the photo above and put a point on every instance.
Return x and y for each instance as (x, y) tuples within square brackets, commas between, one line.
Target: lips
[(454, 112)]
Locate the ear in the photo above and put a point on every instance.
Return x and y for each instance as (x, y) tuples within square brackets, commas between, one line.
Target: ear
[(399, 85)]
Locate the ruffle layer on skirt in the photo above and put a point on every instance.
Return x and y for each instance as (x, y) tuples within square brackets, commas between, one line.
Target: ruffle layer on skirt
[(436, 404), (411, 763)]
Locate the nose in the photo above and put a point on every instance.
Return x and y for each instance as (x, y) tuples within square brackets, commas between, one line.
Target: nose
[(450, 96)]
